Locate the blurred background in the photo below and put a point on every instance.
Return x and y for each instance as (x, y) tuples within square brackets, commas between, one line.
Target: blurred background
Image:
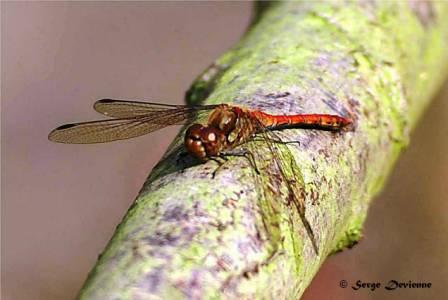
[(61, 203)]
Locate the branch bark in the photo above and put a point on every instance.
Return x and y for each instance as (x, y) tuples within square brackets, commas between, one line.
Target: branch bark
[(190, 236)]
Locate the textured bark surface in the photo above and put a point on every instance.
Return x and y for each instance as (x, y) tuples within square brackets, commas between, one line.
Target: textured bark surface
[(189, 235)]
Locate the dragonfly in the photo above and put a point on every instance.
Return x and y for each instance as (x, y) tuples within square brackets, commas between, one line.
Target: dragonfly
[(228, 127)]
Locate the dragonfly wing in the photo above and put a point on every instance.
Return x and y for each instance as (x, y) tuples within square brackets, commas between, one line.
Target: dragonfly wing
[(269, 208), (127, 109), (131, 119), (116, 129), (288, 171)]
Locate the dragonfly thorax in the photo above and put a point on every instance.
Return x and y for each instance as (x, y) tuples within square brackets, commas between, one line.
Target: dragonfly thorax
[(223, 118)]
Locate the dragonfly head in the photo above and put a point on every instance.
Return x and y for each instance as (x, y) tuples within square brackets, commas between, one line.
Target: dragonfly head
[(204, 141)]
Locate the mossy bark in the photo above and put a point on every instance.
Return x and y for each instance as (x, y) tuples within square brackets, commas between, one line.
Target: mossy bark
[(189, 235)]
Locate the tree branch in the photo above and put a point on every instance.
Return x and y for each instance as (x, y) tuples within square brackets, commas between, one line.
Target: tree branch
[(189, 235)]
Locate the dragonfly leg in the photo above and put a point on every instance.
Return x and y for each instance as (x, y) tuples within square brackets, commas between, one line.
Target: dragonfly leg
[(285, 143), (242, 153), (220, 164), (249, 155), (278, 141)]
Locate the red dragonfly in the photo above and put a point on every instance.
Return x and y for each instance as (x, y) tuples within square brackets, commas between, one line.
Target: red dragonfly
[(228, 127)]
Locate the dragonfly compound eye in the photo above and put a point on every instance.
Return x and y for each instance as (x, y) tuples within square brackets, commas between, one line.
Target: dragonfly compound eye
[(203, 141), (193, 141), (212, 140)]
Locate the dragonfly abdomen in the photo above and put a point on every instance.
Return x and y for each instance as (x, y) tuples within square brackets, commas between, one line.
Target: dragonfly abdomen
[(316, 121)]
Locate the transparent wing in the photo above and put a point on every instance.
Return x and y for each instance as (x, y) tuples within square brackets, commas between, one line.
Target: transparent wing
[(127, 109), (124, 128), (266, 186), (288, 171)]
